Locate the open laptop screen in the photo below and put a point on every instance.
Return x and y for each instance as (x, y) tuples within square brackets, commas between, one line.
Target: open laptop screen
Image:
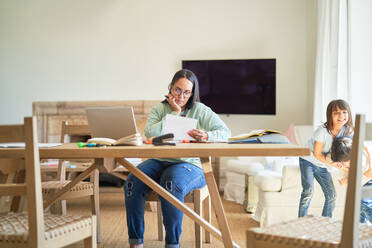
[(111, 122)]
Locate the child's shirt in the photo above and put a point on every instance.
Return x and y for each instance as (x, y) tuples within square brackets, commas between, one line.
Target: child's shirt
[(322, 135)]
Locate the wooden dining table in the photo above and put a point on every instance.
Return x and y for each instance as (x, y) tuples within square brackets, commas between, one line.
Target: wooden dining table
[(107, 158)]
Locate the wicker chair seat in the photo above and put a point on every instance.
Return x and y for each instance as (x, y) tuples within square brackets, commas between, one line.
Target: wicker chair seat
[(316, 231), (53, 185), (14, 226)]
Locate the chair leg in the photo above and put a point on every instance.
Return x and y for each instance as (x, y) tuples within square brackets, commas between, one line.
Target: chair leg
[(59, 208), (94, 201), (198, 207), (160, 222), (207, 216), (91, 242)]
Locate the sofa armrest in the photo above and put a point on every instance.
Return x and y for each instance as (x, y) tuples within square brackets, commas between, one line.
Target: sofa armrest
[(268, 180)]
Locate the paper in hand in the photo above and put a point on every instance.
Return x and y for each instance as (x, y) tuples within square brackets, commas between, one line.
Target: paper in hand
[(179, 126)]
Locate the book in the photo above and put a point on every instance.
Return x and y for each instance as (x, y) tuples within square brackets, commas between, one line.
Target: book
[(254, 133), (273, 138), (131, 140)]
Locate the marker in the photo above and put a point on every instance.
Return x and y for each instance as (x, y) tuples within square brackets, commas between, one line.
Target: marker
[(81, 144), (185, 141)]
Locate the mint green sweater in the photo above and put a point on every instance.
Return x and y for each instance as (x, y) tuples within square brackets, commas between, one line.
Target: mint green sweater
[(208, 121)]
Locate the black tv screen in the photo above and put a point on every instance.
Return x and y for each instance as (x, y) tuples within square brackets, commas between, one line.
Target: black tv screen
[(245, 86)]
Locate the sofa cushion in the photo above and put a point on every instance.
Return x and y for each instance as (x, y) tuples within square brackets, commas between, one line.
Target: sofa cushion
[(268, 180)]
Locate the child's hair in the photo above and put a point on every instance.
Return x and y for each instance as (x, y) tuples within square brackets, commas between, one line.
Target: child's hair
[(343, 105), (341, 147)]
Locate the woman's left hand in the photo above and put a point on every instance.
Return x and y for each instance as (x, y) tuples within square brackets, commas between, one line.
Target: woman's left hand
[(199, 135)]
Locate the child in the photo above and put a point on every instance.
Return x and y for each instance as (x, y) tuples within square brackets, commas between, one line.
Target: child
[(339, 124), (341, 153), (341, 148)]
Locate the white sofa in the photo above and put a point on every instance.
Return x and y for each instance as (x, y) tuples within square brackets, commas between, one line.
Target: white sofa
[(239, 186), (279, 196), (279, 190)]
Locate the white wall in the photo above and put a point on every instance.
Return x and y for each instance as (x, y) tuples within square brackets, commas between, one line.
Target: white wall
[(361, 57), (114, 50)]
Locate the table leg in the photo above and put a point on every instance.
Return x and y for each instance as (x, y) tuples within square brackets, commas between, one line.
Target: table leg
[(178, 204), (217, 203)]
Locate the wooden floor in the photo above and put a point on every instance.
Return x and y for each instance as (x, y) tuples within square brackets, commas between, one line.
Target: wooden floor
[(114, 227)]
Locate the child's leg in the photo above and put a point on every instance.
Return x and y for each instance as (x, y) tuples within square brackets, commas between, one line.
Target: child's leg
[(307, 182), (324, 178)]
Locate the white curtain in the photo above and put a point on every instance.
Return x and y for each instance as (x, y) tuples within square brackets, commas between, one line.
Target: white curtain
[(331, 69)]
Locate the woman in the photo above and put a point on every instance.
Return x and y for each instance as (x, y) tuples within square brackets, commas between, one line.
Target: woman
[(178, 176)]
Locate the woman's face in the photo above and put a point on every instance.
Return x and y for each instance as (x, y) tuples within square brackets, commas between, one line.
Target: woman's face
[(339, 117), (182, 91)]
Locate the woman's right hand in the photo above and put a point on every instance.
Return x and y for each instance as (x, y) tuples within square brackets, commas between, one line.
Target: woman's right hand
[(172, 102)]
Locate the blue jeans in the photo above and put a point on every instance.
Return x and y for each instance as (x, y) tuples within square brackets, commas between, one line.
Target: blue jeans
[(177, 178), (366, 208), (310, 171)]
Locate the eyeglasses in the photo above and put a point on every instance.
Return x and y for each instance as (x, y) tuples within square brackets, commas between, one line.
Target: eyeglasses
[(177, 91)]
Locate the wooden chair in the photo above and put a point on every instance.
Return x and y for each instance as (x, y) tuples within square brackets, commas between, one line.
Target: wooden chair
[(312, 231), (202, 206), (34, 228), (82, 189)]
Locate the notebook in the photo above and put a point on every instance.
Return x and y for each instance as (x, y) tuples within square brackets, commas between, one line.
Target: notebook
[(111, 122)]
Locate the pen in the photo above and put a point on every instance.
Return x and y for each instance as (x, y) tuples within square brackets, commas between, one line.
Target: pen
[(82, 144)]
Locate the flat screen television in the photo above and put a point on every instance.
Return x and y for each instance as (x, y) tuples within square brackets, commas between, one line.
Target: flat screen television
[(242, 86)]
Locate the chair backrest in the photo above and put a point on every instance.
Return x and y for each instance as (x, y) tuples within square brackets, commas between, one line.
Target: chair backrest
[(70, 130), (73, 129), (32, 187), (350, 227)]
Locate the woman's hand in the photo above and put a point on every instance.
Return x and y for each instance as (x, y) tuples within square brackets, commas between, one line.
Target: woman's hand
[(199, 135), (172, 102)]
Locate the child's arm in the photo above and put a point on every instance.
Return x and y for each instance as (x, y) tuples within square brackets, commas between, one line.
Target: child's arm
[(343, 181), (318, 146), (368, 157), (368, 173)]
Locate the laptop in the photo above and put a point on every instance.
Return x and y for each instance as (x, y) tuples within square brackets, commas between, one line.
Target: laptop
[(111, 122)]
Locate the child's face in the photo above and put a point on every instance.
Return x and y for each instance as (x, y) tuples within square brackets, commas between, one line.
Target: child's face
[(340, 117)]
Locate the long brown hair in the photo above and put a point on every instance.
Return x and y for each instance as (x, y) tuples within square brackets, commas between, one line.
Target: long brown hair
[(343, 105)]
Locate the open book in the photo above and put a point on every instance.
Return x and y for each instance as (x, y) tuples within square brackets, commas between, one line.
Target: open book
[(131, 140), (253, 133)]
